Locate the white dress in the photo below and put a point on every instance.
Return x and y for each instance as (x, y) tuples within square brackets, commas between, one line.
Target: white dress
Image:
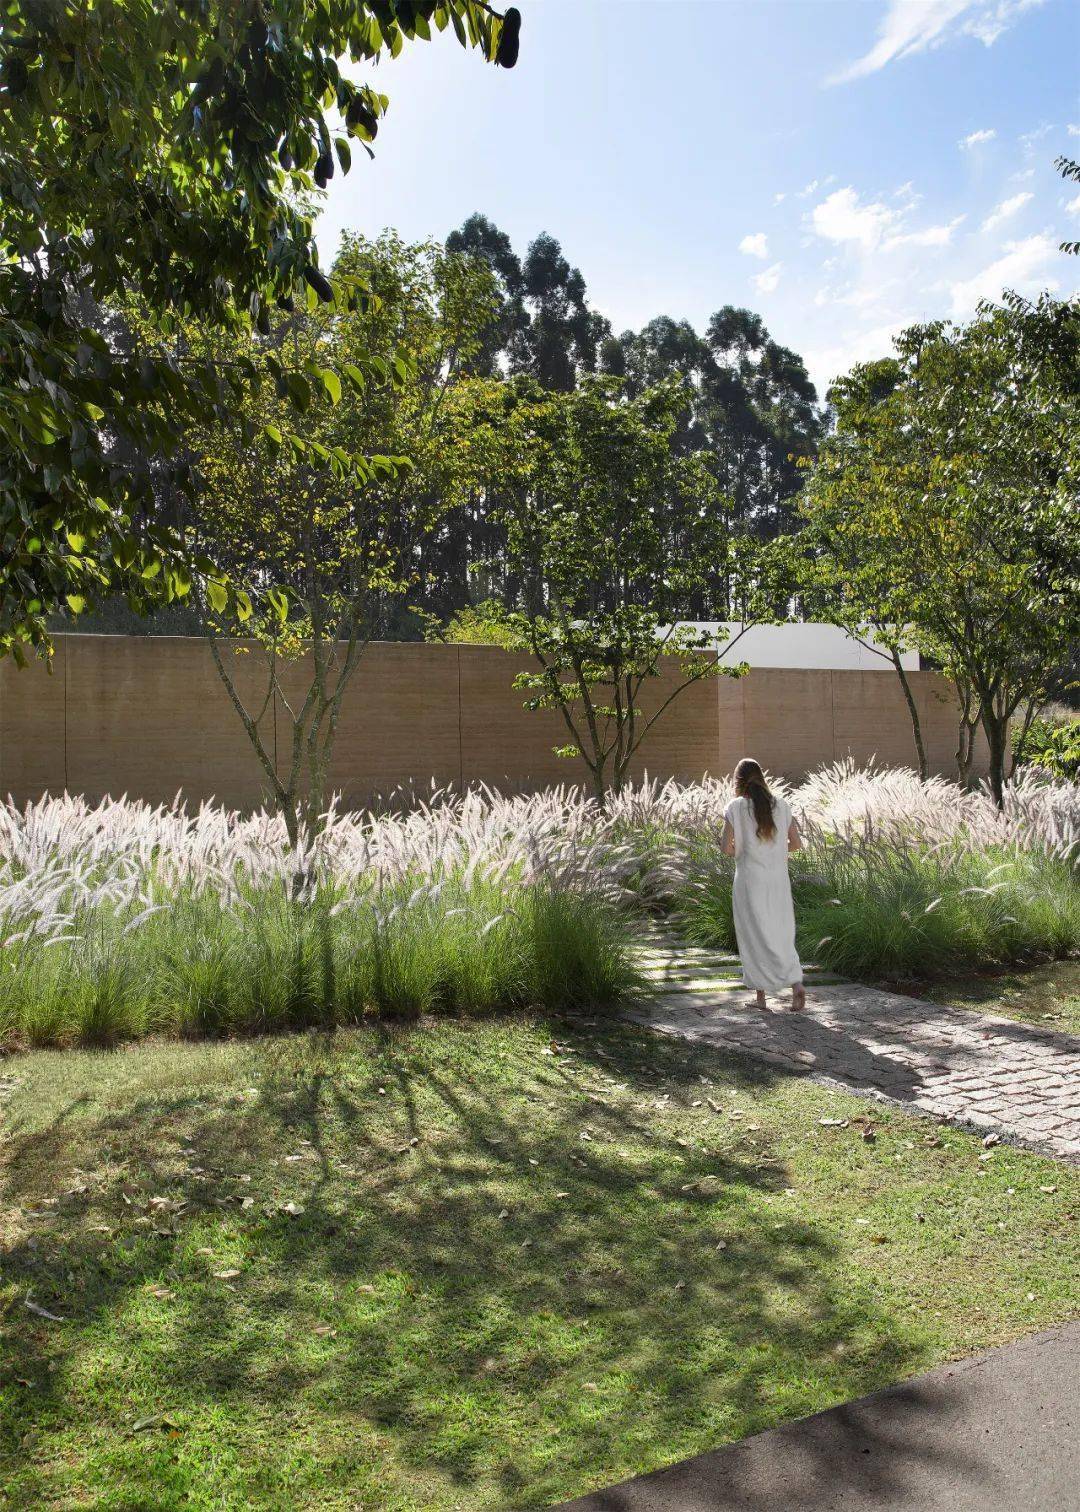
[(761, 899)]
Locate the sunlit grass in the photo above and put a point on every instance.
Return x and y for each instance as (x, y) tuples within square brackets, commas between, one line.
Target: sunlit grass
[(478, 1265)]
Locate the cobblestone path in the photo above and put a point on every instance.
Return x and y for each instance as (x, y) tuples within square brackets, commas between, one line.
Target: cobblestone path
[(979, 1071)]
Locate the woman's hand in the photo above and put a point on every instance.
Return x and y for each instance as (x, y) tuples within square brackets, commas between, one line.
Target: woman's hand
[(727, 839)]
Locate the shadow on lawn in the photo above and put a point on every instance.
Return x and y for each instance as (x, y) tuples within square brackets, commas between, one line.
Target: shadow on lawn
[(515, 1305)]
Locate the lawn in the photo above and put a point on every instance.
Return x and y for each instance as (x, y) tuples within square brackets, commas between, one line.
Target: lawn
[(1047, 995), (473, 1265)]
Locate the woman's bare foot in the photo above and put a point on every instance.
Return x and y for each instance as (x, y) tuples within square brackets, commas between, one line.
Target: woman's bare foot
[(759, 1000), (798, 998)]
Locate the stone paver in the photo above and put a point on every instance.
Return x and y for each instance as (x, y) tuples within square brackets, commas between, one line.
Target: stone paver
[(976, 1070)]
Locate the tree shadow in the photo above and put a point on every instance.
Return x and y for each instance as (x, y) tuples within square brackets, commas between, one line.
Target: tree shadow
[(525, 1281)]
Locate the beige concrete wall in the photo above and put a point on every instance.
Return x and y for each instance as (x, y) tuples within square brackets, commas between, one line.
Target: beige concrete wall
[(147, 716)]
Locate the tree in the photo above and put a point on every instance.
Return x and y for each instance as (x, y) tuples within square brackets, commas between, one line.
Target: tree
[(609, 533), (849, 577), (959, 478), (323, 556), (169, 150)]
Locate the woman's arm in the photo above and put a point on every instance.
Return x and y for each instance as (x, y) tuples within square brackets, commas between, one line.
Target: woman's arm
[(794, 839), (727, 839)]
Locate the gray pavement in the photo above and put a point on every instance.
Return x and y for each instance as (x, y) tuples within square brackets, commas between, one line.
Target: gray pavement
[(999, 1432), (979, 1071)]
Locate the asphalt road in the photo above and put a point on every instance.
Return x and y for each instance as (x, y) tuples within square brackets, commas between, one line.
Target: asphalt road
[(999, 1432)]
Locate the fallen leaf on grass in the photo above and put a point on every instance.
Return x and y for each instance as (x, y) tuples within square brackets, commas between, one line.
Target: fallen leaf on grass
[(368, 1291), (162, 1293), (41, 1312), (562, 1194), (1048, 1189), (833, 1123), (294, 1209), (324, 1331), (991, 1140), (156, 1420), (879, 1239), (226, 1275)]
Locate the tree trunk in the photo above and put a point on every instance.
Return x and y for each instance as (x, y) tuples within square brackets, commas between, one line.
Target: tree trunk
[(965, 750), (913, 710), (997, 736)]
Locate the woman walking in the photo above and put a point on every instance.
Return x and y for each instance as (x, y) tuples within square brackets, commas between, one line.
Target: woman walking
[(759, 831)]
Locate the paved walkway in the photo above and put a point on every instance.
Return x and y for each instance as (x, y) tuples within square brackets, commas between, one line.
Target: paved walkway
[(977, 1070), (995, 1432)]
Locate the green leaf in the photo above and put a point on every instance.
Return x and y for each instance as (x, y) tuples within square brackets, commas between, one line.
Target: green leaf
[(217, 595), (331, 383), (76, 603)]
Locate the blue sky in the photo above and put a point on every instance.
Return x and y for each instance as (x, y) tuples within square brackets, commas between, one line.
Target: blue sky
[(841, 166)]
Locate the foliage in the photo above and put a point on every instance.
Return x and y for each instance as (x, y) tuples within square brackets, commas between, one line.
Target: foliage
[(170, 151), (322, 554), (749, 409), (608, 533), (483, 624), (1054, 747), (950, 486)]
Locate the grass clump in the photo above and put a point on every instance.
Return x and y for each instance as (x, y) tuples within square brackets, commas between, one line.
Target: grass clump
[(890, 908), (265, 961)]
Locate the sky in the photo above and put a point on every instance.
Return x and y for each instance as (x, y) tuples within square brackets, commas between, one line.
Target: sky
[(842, 167)]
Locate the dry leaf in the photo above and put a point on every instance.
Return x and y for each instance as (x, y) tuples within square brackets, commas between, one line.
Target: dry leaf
[(161, 1292), (324, 1331), (833, 1123), (41, 1312), (294, 1209), (226, 1275), (1048, 1189), (991, 1140), (366, 1289), (562, 1194)]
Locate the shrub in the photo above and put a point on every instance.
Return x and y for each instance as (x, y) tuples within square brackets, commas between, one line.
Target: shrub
[(1052, 745)]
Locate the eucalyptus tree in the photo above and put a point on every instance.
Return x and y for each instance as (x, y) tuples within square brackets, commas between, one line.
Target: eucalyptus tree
[(170, 150)]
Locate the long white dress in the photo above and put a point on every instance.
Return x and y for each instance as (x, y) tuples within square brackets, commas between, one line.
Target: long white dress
[(761, 899)]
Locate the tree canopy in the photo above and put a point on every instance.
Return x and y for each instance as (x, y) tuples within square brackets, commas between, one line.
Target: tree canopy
[(951, 487), (169, 150)]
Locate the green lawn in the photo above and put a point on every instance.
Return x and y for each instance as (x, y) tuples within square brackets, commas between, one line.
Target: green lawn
[(464, 1267), (1047, 995)]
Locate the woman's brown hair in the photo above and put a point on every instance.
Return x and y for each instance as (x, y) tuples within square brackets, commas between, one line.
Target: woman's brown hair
[(750, 783)]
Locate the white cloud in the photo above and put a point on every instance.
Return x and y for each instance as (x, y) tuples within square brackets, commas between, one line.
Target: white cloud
[(778, 199), (1073, 207), (1025, 266), (1073, 130), (930, 236), (766, 282), (1006, 209), (827, 363), (913, 26), (977, 137), (808, 189), (755, 245), (841, 218)]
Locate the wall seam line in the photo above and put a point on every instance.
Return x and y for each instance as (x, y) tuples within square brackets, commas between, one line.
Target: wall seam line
[(67, 781), (460, 733)]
